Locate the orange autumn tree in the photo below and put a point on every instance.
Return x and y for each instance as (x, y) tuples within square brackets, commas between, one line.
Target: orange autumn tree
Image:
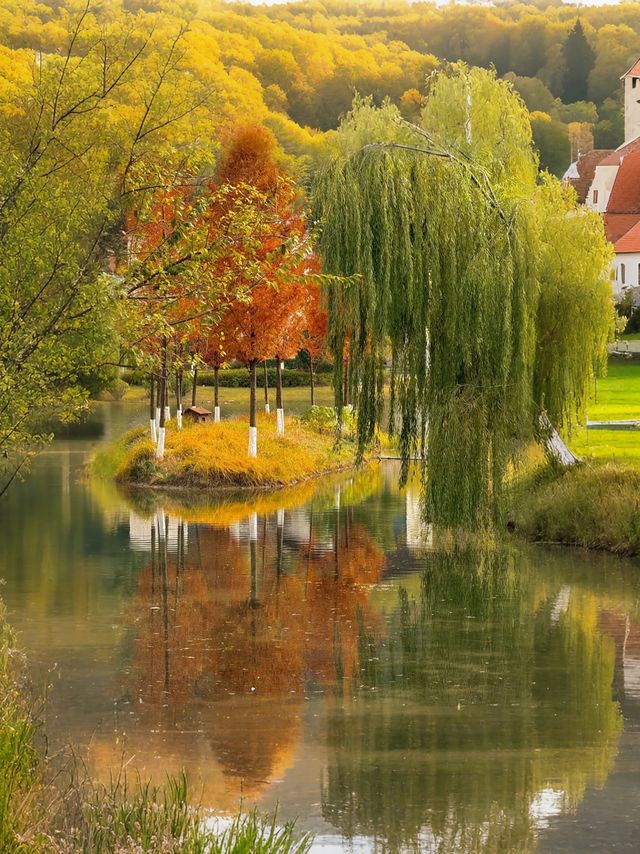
[(194, 249), (269, 322)]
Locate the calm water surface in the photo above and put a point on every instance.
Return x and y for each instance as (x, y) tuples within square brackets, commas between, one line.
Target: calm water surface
[(321, 650)]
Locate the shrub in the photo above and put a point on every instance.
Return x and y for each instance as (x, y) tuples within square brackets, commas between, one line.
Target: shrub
[(237, 378)]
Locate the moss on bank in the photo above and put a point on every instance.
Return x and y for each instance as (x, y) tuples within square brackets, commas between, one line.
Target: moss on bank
[(595, 505), (215, 455)]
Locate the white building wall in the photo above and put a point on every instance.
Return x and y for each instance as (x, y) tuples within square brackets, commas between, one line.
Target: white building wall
[(631, 263), (601, 186), (631, 108)]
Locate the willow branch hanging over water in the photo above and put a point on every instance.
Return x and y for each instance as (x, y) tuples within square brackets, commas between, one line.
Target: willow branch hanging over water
[(447, 290)]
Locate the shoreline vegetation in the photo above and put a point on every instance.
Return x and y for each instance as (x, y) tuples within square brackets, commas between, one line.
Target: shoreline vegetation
[(211, 455), (49, 805), (594, 504)]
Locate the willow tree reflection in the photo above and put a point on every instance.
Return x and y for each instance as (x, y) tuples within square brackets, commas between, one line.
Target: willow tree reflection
[(479, 711)]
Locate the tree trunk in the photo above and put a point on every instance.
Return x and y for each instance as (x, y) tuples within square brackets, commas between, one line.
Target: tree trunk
[(179, 399), (267, 408), (152, 410), (345, 374), (216, 394), (312, 382), (167, 399), (163, 403), (279, 408), (553, 444), (194, 390), (253, 430)]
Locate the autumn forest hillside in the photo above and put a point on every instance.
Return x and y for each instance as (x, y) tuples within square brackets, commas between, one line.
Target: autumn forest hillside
[(296, 66)]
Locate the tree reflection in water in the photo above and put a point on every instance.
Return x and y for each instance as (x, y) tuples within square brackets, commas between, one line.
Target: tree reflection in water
[(230, 627), (460, 706), (479, 711)]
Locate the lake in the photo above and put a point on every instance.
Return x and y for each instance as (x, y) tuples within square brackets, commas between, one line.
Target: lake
[(323, 650)]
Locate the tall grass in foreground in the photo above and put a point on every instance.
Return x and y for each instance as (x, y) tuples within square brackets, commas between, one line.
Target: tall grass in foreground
[(64, 812), (120, 818)]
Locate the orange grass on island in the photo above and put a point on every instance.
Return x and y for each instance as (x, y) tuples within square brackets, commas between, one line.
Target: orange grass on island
[(215, 455)]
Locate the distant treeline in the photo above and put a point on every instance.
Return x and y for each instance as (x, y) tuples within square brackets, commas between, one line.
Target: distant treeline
[(296, 66)]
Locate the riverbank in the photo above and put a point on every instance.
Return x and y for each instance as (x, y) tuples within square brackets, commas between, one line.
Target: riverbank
[(52, 807), (213, 456), (594, 505)]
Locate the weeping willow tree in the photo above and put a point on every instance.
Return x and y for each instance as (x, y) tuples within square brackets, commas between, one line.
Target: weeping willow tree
[(439, 234)]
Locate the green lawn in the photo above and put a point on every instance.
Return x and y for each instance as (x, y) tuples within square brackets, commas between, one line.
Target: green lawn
[(616, 398)]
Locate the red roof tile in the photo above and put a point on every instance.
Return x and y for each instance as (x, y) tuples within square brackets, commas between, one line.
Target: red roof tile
[(634, 71), (617, 225), (616, 156), (629, 242), (625, 193)]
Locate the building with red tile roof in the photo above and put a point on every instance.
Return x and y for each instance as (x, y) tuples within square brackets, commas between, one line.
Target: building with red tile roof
[(609, 182)]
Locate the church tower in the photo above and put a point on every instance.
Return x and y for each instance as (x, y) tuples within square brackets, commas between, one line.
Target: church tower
[(632, 102)]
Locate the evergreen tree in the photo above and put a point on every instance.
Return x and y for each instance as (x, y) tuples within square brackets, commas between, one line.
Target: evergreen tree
[(579, 59)]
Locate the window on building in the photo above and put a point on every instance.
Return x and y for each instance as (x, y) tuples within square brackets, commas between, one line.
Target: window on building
[(622, 273), (634, 81), (595, 197), (639, 274)]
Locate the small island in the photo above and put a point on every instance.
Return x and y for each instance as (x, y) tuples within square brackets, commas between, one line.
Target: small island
[(212, 455)]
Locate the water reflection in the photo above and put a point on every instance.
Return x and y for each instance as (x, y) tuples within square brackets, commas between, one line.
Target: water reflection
[(323, 649)]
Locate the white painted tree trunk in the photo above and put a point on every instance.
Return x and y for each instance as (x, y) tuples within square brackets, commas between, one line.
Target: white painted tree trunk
[(154, 432), (554, 445), (253, 527), (179, 418), (216, 414), (253, 441), (157, 415), (280, 421), (167, 413), (267, 408), (160, 445)]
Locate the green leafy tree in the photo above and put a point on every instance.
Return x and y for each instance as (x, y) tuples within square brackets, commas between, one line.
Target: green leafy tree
[(439, 224), (579, 59)]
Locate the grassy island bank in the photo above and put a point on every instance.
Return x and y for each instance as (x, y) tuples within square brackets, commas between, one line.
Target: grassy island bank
[(210, 455)]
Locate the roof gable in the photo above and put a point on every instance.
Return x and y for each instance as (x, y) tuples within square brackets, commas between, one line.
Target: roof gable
[(634, 71)]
